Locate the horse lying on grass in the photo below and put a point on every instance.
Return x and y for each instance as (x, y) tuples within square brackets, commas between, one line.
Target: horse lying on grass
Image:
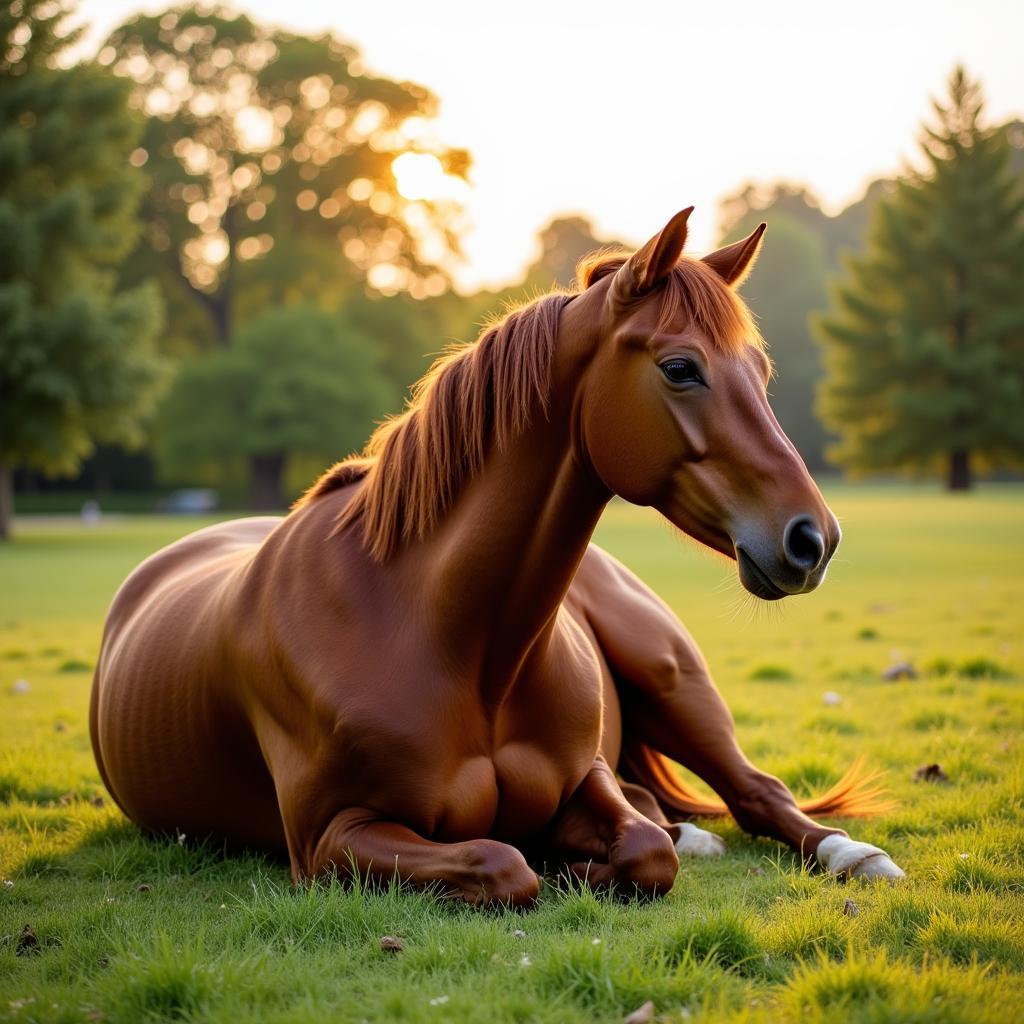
[(426, 669)]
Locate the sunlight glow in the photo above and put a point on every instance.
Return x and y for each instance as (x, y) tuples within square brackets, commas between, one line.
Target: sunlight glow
[(256, 129), (419, 175), (546, 139)]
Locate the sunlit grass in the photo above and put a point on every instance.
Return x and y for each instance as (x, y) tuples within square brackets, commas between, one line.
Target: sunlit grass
[(132, 928)]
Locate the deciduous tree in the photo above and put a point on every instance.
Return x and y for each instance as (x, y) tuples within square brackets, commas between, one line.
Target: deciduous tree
[(296, 381), (786, 285), (77, 357), (272, 159)]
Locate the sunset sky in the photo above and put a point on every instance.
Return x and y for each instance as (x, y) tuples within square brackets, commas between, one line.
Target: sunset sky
[(626, 112)]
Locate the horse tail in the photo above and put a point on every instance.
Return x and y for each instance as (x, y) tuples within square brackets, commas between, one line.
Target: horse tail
[(856, 795), (643, 765)]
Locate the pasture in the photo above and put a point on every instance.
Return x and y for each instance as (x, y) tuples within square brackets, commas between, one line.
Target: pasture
[(132, 928)]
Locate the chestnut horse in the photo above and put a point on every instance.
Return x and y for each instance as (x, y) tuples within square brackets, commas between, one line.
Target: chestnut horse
[(426, 671)]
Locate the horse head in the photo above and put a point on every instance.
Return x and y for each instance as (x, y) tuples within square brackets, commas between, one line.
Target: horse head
[(673, 409)]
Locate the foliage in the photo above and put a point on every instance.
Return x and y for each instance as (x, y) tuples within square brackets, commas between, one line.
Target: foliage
[(787, 283), (564, 241), (77, 362), (844, 232), (751, 937), (295, 381), (271, 157), (925, 346)]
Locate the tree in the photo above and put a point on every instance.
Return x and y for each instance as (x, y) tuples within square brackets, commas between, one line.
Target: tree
[(273, 162), (77, 357), (786, 286), (925, 348), (564, 241), (295, 381)]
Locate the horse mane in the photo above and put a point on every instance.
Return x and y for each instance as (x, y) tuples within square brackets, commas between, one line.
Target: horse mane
[(484, 393)]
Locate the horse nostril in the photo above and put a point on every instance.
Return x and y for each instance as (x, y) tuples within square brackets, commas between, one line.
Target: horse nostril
[(803, 544)]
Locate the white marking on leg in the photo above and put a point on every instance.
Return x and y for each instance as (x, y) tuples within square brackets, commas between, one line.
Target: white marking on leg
[(840, 855), (696, 842)]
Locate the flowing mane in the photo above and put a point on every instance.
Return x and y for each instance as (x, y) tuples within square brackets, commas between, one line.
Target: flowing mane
[(484, 393), (475, 395)]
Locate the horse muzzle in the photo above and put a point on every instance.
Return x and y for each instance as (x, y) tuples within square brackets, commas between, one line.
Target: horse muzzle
[(798, 568)]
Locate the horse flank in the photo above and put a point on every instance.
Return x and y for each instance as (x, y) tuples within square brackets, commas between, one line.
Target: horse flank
[(485, 392)]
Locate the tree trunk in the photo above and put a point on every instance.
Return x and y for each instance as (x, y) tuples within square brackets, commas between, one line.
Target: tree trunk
[(218, 304), (959, 470), (6, 500), (221, 320), (265, 475)]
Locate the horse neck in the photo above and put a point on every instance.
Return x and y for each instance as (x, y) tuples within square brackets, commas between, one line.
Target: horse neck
[(507, 551)]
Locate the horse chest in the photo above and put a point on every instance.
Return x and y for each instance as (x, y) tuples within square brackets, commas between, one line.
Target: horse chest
[(512, 794), (439, 761)]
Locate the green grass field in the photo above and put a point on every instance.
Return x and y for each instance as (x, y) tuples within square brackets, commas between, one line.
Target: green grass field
[(132, 929)]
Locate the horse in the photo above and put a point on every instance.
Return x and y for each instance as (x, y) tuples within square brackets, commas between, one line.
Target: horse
[(426, 671)]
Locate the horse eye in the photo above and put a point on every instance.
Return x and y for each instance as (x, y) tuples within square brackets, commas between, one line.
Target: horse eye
[(680, 371)]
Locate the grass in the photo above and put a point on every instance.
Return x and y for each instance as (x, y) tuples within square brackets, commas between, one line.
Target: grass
[(137, 929)]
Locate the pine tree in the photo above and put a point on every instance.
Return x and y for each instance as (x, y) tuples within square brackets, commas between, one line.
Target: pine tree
[(924, 351), (77, 358)]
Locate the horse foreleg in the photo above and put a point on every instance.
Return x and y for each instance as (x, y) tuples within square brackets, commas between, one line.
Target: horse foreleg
[(689, 840), (604, 840), (690, 723), (671, 706), (479, 872)]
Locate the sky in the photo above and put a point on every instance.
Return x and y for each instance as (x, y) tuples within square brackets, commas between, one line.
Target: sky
[(628, 111)]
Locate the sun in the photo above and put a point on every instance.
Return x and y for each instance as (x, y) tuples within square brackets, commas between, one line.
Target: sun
[(418, 175)]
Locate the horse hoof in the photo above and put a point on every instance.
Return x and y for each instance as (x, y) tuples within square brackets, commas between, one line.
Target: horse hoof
[(878, 866), (845, 857), (696, 842)]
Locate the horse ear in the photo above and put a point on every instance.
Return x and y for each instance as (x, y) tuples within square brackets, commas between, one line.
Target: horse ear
[(653, 262), (734, 262)]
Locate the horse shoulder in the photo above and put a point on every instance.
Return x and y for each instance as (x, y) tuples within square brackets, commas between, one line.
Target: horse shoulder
[(641, 637)]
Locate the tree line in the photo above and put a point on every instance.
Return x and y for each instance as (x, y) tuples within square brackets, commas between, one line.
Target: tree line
[(205, 250)]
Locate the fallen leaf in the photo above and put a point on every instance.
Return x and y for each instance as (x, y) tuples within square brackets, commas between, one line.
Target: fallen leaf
[(850, 909), (930, 773), (27, 943), (641, 1015), (391, 944)]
